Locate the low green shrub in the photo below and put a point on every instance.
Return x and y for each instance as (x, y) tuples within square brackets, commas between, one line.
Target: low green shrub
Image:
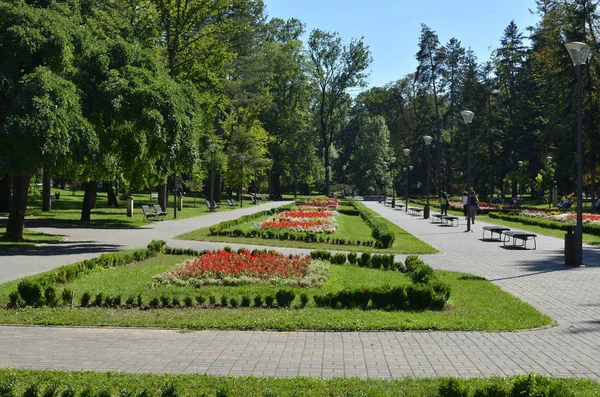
[(352, 258), (85, 299), (284, 297), (452, 387), (258, 301), (30, 291), (338, 259), (365, 260)]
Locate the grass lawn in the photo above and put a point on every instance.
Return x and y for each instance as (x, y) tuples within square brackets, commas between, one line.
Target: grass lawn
[(67, 209), (475, 304), (207, 385), (350, 227), (30, 239)]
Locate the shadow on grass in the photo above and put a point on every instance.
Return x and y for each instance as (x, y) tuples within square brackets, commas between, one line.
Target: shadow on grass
[(73, 224)]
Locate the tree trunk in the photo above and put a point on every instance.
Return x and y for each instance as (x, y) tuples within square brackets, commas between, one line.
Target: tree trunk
[(63, 182), (5, 194), (89, 200), (112, 195), (46, 191), (162, 195), (217, 187), (18, 207)]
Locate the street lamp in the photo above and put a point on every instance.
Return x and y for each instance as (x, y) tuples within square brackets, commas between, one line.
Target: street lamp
[(211, 148), (242, 158), (427, 140), (344, 169), (551, 193), (406, 154), (393, 163), (410, 168), (519, 180), (580, 53), (406, 189), (467, 116)]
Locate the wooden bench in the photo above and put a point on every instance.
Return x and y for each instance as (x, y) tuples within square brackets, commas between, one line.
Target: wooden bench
[(523, 236), (494, 229), (148, 213)]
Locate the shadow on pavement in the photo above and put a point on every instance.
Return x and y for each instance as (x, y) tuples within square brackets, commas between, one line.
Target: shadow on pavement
[(80, 247)]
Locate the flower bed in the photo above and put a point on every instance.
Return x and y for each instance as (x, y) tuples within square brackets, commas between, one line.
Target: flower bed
[(245, 267), (328, 203), (303, 219), (565, 217)]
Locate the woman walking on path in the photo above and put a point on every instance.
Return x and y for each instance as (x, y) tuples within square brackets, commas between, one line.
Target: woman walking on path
[(465, 202)]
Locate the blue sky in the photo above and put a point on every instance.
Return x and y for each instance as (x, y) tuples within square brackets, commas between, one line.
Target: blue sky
[(391, 28)]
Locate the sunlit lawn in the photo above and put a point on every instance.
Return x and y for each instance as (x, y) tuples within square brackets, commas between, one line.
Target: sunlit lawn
[(475, 304)]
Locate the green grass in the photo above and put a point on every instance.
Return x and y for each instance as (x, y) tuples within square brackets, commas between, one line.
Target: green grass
[(233, 386), (30, 239), (350, 227), (67, 209), (475, 304)]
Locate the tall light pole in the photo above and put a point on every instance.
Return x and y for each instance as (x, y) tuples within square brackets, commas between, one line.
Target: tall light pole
[(427, 140), (242, 158), (579, 54), (393, 163), (410, 168), (519, 180), (211, 148), (404, 169), (344, 169), (406, 152), (467, 116), (550, 185)]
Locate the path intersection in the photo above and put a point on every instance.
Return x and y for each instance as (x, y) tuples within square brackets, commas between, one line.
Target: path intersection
[(571, 296)]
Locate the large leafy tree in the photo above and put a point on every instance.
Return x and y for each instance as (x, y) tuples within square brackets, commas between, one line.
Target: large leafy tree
[(41, 117), (335, 69)]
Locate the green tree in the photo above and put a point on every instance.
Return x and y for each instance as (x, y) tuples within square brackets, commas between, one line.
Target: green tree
[(335, 69)]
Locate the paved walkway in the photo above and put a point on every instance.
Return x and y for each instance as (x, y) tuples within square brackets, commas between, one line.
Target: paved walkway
[(569, 295)]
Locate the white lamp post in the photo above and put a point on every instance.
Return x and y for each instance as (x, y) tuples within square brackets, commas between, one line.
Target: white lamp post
[(580, 53), (427, 140), (467, 116), (519, 181)]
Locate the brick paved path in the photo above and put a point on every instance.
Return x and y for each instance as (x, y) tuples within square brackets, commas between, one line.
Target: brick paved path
[(569, 295)]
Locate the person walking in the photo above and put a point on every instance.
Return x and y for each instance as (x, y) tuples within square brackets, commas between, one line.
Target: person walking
[(465, 202), (445, 203), (473, 205)]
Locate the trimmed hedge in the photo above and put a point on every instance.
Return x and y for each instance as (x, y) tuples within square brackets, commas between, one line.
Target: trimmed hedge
[(381, 233), (41, 290)]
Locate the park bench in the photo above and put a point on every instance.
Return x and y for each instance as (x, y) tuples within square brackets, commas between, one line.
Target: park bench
[(388, 201), (523, 236), (159, 211), (494, 229), (148, 213), (232, 203), (253, 198), (437, 218), (450, 220), (399, 206), (415, 211), (208, 204)]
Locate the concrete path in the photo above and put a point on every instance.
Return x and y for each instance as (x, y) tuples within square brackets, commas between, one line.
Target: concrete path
[(569, 295)]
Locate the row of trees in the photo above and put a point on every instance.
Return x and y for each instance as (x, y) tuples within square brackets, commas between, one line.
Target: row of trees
[(524, 99), (136, 92)]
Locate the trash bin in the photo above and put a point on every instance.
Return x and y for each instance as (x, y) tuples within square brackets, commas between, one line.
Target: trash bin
[(129, 207), (57, 195), (570, 247), (426, 211)]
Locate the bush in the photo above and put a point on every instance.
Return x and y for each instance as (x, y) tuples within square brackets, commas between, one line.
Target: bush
[(154, 302), (99, 299), (200, 299), (130, 301), (303, 300), (188, 301), (30, 291), (365, 260), (67, 296), (352, 258), (245, 301), (269, 299), (33, 390), (339, 259), (493, 389), (323, 255), (140, 301), (175, 301), (452, 387), (85, 299), (233, 302), (14, 300), (420, 296), (212, 300), (258, 302), (284, 297), (165, 300), (224, 301)]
